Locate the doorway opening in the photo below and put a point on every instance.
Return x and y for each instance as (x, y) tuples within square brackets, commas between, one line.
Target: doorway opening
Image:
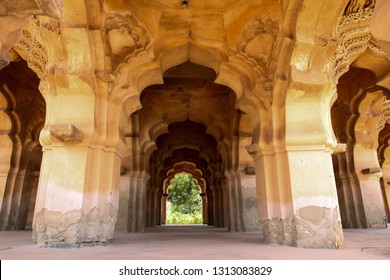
[(184, 203)]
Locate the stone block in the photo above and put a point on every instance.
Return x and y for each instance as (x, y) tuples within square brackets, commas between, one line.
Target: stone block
[(66, 133)]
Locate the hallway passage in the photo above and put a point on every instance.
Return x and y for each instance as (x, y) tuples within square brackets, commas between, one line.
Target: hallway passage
[(198, 243)]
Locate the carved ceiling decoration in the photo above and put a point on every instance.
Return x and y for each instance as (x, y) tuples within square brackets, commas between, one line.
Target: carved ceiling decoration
[(353, 31), (257, 43), (198, 4), (51, 8), (127, 37), (32, 49), (354, 37), (384, 114), (355, 6)]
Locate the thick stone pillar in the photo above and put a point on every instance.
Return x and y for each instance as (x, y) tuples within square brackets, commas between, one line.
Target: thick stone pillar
[(224, 210), (137, 204), (123, 210), (154, 208), (210, 207), (275, 222), (6, 145), (21, 187), (386, 179), (158, 208), (234, 202), (366, 163), (348, 190), (249, 200), (204, 208), (369, 175), (77, 200), (218, 208), (11, 182), (28, 197), (164, 199), (151, 207), (309, 141), (314, 195), (242, 207), (78, 193)]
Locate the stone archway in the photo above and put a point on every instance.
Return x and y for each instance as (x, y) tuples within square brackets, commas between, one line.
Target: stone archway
[(174, 50), (166, 106), (180, 169), (280, 61), (26, 109), (360, 103)]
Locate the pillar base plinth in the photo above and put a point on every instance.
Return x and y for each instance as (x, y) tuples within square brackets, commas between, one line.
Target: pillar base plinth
[(74, 228), (311, 227)]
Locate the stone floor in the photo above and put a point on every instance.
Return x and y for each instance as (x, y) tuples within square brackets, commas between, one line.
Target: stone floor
[(197, 243)]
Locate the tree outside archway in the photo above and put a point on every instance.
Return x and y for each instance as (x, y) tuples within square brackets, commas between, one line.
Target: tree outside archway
[(184, 204)]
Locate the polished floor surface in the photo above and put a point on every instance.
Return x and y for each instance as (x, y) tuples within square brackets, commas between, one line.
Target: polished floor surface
[(197, 243)]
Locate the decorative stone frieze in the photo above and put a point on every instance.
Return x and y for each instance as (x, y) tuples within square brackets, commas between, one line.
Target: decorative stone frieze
[(31, 44), (256, 45), (355, 6), (354, 38), (127, 37), (374, 46), (385, 114)]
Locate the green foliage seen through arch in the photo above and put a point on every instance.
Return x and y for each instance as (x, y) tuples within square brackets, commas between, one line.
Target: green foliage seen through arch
[(185, 204)]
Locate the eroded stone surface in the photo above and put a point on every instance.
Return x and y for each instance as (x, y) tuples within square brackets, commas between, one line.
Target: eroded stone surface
[(312, 227), (67, 133), (319, 227), (75, 227), (279, 231)]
